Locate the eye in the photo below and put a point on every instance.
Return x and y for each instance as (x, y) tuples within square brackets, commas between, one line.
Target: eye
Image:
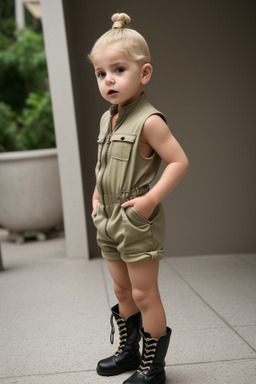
[(101, 74), (120, 70)]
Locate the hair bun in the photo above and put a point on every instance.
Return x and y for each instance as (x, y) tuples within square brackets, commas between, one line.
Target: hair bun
[(120, 20)]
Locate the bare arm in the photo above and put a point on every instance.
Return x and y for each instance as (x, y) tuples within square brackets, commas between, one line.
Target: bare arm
[(158, 136)]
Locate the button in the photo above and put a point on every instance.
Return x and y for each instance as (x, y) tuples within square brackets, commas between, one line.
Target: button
[(122, 138)]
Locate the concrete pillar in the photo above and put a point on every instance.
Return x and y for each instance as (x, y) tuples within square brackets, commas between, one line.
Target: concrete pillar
[(65, 127), (19, 13)]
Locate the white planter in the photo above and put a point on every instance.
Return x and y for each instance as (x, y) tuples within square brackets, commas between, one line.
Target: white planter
[(30, 193)]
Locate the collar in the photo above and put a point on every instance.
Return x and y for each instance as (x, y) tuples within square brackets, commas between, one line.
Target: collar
[(126, 109)]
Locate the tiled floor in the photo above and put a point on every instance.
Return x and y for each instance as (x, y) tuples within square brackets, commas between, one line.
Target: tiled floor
[(54, 317)]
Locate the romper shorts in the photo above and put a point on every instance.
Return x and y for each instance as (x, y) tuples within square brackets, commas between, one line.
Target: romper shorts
[(126, 235)]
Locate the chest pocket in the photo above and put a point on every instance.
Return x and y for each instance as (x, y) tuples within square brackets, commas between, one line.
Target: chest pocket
[(100, 141), (121, 145)]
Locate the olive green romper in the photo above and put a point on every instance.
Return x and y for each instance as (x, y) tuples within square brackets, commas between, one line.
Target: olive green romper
[(123, 173)]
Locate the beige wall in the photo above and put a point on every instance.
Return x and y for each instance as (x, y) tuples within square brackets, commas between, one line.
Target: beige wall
[(204, 81)]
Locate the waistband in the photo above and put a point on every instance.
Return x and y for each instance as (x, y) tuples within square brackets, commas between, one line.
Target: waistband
[(125, 195)]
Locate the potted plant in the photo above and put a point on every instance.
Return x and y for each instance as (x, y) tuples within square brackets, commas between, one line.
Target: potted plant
[(30, 195)]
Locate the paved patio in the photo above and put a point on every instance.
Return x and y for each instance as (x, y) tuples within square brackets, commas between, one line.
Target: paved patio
[(54, 317)]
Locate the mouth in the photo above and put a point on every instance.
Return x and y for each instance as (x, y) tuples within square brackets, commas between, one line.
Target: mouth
[(112, 92)]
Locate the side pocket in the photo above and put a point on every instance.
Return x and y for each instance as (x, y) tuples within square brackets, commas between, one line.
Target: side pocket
[(142, 235), (138, 235), (140, 218)]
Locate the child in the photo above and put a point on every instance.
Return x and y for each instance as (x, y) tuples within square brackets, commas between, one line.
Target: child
[(128, 215)]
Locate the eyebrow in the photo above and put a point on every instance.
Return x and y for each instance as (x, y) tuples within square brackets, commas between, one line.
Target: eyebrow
[(121, 63), (116, 64)]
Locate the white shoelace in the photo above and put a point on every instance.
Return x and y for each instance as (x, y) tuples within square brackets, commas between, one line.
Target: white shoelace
[(122, 334), (148, 356)]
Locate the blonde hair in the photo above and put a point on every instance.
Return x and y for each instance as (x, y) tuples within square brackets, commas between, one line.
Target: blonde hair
[(133, 43)]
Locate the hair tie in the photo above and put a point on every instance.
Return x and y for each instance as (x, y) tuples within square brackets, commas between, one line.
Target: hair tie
[(118, 25)]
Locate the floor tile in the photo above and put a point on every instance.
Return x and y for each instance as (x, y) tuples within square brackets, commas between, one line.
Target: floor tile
[(184, 309), (51, 316), (109, 284), (228, 285), (228, 372), (55, 315), (90, 377), (248, 333), (250, 258), (207, 346)]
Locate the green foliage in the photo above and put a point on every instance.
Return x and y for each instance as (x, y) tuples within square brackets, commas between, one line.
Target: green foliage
[(8, 127), (37, 123), (32, 129), (23, 67), (26, 120), (6, 10), (7, 23), (8, 28)]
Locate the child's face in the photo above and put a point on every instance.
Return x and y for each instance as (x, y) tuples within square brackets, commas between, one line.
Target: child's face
[(119, 79)]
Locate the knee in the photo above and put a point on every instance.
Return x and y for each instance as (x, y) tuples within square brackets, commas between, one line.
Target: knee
[(141, 298), (144, 299), (122, 293)]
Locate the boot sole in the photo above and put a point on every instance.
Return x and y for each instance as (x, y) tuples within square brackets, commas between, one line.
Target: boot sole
[(117, 372)]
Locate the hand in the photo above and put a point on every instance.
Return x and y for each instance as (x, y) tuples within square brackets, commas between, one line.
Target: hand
[(143, 205), (95, 203)]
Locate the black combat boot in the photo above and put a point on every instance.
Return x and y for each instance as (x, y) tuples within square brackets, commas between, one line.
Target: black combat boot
[(151, 370), (127, 357)]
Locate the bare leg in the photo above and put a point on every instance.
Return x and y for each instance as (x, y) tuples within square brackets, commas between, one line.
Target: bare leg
[(144, 279), (128, 356), (123, 288)]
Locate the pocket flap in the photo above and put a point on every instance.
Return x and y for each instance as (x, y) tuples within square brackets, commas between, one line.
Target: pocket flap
[(123, 137)]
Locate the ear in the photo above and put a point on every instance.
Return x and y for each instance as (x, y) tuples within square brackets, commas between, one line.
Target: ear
[(146, 73)]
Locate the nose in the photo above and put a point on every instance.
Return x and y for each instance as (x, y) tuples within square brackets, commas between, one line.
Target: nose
[(109, 79)]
